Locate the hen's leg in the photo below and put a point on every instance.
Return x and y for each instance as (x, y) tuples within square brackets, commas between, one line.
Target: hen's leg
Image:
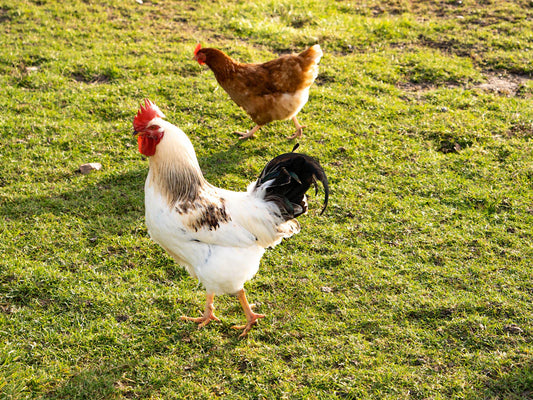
[(299, 129), (251, 317), (250, 133), (208, 314)]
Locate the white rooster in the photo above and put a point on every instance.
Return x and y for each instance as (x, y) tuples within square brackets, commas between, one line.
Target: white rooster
[(218, 235)]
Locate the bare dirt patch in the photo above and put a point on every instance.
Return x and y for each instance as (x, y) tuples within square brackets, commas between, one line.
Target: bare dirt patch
[(509, 85)]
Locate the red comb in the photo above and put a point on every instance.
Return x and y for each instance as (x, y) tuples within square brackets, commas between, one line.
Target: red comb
[(146, 114), (198, 47)]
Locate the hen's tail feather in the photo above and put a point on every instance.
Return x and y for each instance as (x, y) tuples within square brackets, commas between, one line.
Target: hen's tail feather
[(312, 55), (289, 176)]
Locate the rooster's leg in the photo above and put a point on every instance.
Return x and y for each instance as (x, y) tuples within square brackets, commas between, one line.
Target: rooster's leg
[(250, 133), (299, 129), (251, 317), (208, 314)]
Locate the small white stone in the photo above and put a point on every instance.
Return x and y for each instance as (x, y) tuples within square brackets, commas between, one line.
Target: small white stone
[(87, 168)]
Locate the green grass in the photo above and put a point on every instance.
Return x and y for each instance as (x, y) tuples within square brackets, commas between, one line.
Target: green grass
[(415, 284)]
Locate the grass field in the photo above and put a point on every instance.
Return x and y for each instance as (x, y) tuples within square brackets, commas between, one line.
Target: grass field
[(416, 283)]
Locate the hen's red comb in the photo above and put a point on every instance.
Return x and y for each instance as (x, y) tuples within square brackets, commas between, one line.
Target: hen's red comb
[(198, 47), (146, 114)]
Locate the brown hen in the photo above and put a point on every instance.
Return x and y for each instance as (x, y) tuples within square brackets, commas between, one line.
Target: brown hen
[(275, 90)]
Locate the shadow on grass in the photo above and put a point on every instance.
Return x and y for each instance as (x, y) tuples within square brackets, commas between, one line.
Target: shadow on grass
[(513, 385), (120, 379), (101, 383), (230, 160), (121, 196), (118, 196)]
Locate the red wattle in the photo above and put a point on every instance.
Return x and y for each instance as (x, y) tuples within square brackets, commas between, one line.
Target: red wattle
[(147, 145)]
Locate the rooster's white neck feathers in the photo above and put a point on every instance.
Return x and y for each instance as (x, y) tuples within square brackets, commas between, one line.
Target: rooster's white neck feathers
[(174, 168)]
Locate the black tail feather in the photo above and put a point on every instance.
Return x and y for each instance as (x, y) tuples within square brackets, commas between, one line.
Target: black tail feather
[(292, 174)]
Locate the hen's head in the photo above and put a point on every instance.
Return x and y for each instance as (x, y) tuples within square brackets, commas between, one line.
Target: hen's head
[(149, 132), (199, 54), (216, 60)]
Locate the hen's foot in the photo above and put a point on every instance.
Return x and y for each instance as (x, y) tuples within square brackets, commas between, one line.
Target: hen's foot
[(299, 129), (245, 135), (249, 134), (298, 133)]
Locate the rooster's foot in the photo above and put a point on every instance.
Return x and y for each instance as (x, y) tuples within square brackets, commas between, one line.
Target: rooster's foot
[(251, 317), (203, 320), (251, 321), (208, 314)]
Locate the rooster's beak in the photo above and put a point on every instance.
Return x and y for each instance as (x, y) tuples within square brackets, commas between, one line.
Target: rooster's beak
[(135, 133)]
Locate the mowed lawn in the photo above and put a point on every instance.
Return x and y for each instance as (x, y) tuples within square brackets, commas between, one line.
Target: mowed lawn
[(416, 283)]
